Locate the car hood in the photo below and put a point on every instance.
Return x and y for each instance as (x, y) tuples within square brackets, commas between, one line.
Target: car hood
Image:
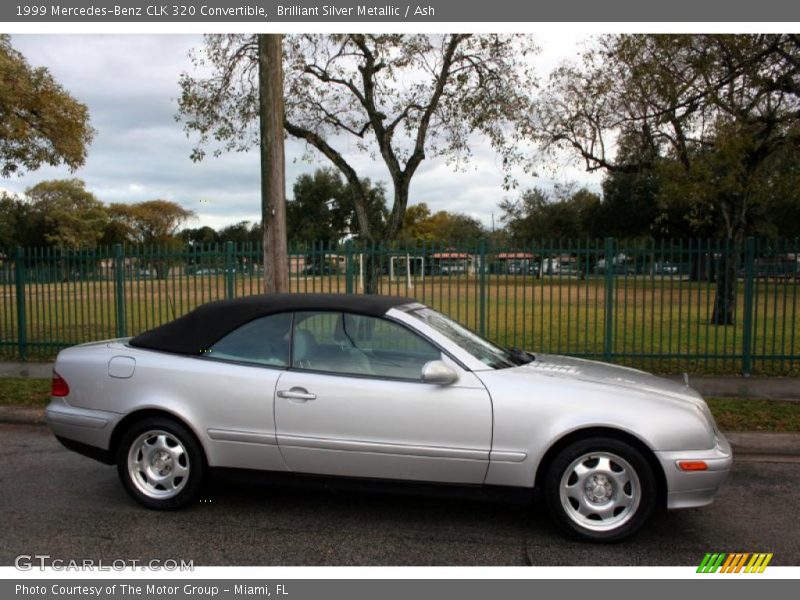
[(579, 369)]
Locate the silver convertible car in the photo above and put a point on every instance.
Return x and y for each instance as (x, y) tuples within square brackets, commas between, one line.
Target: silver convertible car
[(383, 387)]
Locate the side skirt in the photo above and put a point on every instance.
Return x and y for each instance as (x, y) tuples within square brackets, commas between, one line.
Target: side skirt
[(223, 476)]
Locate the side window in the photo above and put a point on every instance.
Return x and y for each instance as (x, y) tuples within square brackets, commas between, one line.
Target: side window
[(263, 341), (358, 345)]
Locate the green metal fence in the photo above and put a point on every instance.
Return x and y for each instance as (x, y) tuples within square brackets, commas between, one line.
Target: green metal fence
[(647, 304)]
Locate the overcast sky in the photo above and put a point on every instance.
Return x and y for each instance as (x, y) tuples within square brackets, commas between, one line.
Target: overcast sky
[(130, 84)]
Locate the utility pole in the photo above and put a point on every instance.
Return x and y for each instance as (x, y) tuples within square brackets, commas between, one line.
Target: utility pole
[(273, 165)]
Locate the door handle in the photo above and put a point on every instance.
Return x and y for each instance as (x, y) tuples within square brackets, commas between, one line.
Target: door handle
[(297, 393)]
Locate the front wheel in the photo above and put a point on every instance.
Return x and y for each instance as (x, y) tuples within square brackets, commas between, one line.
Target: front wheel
[(600, 489), (160, 463)]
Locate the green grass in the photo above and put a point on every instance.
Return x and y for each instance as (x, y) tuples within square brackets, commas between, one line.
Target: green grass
[(662, 325), (17, 391), (740, 414), (732, 414)]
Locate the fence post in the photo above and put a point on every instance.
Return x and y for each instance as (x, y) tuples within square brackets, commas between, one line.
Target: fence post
[(230, 269), (747, 317), (119, 289), (348, 267), (22, 324), (482, 288), (608, 337)]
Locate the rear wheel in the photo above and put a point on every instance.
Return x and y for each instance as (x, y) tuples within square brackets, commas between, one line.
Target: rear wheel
[(160, 463), (600, 489)]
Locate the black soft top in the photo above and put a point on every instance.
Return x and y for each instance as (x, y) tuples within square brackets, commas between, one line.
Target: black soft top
[(200, 329)]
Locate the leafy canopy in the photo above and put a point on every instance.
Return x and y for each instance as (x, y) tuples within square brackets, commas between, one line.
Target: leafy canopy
[(65, 213), (566, 213), (40, 122), (323, 207), (708, 114), (150, 222), (440, 227), (397, 98)]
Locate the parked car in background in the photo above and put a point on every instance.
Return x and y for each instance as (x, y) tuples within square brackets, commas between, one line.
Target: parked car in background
[(570, 269), (665, 268), (617, 267), (318, 269), (453, 269), (383, 387), (521, 267)]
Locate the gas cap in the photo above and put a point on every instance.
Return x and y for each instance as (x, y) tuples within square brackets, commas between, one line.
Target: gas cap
[(121, 367)]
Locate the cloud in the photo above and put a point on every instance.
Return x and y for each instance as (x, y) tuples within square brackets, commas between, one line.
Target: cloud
[(130, 84)]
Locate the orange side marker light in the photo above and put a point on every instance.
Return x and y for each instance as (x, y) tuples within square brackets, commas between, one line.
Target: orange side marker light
[(692, 465)]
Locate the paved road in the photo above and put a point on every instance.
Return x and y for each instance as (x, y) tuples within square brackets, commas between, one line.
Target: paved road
[(58, 503)]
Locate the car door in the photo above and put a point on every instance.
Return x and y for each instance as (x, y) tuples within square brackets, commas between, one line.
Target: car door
[(353, 403), (233, 386)]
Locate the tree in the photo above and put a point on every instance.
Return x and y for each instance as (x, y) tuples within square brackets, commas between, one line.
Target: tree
[(401, 97), (115, 232), (567, 213), (780, 205), (316, 212), (414, 222), (273, 168), (323, 209), (706, 112), (151, 223), (630, 208), (199, 235), (41, 123), (9, 205), (240, 233), (440, 227), (19, 225), (66, 213)]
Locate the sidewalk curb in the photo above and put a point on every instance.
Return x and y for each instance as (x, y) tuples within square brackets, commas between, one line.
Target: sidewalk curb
[(777, 444), (21, 415), (743, 442), (25, 370), (759, 387)]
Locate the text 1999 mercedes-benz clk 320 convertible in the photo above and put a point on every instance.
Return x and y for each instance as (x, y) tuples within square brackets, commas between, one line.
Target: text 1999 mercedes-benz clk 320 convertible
[(383, 387)]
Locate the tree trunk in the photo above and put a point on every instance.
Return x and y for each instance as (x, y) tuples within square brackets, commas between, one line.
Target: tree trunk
[(734, 214), (273, 168), (372, 269), (370, 252), (401, 185), (727, 284), (375, 261), (161, 267)]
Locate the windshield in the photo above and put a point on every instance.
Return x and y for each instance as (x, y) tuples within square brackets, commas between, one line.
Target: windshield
[(485, 351)]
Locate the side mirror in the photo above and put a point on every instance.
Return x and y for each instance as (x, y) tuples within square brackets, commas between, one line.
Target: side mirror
[(439, 373)]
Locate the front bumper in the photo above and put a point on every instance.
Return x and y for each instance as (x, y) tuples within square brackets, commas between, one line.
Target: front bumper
[(691, 489)]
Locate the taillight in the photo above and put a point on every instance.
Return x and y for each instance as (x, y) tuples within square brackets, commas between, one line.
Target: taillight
[(59, 386)]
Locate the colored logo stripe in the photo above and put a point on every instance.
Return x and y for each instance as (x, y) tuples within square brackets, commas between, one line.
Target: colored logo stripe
[(711, 562), (758, 563), (734, 562)]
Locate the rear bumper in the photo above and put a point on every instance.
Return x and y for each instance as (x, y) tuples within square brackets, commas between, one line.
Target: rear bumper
[(82, 430), (103, 456), (696, 488)]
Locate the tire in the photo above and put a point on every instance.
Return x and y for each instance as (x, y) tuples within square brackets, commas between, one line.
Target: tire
[(600, 489), (160, 463)]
